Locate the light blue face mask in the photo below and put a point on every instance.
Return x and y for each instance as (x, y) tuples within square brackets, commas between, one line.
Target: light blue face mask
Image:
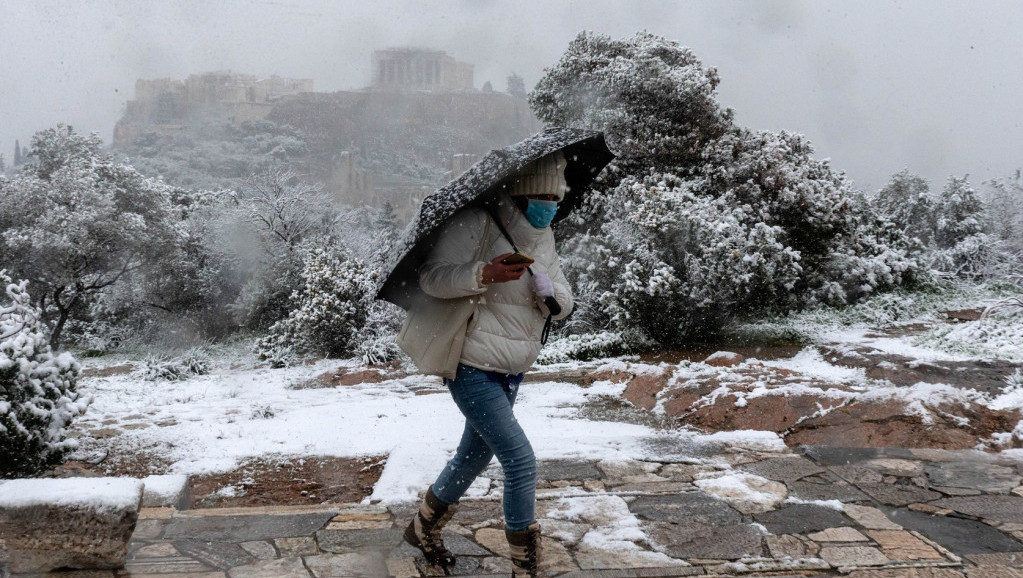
[(540, 213)]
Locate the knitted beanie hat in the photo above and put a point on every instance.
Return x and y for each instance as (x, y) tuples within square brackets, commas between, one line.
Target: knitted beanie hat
[(544, 176)]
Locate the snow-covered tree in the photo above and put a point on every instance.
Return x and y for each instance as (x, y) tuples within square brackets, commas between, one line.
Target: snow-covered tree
[(37, 389), (1004, 210), (516, 86), (277, 213), (907, 202), (959, 213), (75, 223), (331, 308), (698, 219)]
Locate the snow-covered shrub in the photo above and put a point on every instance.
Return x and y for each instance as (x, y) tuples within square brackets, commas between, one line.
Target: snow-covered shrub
[(697, 219), (38, 400), (586, 346), (377, 343), (195, 361), (331, 310), (947, 229)]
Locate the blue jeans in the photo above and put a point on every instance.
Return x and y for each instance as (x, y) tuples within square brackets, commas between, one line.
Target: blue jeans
[(486, 399)]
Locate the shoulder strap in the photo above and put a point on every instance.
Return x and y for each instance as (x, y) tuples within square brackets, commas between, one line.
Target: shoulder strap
[(552, 304), (500, 225)]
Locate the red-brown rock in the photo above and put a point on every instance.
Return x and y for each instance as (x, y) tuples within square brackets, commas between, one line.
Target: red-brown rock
[(724, 359), (643, 389)]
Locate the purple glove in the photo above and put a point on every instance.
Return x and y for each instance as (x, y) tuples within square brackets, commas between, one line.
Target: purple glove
[(542, 285)]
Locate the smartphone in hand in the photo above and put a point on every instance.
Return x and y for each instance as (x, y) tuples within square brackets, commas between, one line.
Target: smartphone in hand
[(517, 259)]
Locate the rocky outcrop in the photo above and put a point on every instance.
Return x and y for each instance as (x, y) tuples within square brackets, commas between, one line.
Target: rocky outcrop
[(82, 523)]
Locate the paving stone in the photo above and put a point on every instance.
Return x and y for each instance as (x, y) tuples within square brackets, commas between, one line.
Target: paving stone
[(617, 470), (567, 470), (993, 571), (836, 490), (858, 474), (402, 567), (493, 539), (900, 545), (347, 565), (280, 568), (563, 530), (594, 486), (222, 555), (692, 507), (870, 518), (344, 541), (957, 535), (495, 565), (896, 467), (1000, 508), (801, 519), (160, 550), (842, 534), (462, 546), (953, 491), (296, 546), (556, 558), (852, 556), (986, 477), (246, 528), (754, 567), (351, 512), (359, 525), (835, 456), (475, 512), (668, 572), (783, 469), (166, 566), (260, 550), (705, 541), (602, 557), (893, 495), (790, 546), (684, 472), (907, 572), (1010, 559), (655, 488)]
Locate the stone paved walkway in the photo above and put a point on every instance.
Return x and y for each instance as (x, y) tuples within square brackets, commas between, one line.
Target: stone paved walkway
[(817, 511)]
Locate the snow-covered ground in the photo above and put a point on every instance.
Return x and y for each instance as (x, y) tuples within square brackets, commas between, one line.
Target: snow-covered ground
[(213, 422)]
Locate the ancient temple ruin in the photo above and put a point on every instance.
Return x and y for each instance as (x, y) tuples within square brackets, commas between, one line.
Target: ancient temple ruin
[(419, 69)]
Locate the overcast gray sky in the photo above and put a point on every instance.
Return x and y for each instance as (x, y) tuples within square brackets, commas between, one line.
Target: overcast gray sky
[(930, 85)]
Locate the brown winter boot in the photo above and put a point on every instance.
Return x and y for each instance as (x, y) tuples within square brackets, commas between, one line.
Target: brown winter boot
[(525, 552), (423, 531)]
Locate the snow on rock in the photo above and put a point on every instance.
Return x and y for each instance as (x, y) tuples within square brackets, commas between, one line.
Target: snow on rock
[(724, 359), (98, 494), (167, 490), (748, 493), (616, 531)]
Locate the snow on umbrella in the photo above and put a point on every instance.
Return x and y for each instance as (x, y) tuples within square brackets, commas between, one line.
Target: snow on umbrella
[(586, 155)]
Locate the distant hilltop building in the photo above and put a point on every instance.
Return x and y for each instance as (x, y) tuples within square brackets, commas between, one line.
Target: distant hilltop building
[(166, 103), (419, 69)]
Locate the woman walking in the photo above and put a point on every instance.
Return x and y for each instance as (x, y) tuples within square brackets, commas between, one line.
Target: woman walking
[(478, 259)]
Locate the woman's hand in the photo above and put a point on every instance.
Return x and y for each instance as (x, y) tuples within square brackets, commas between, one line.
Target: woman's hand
[(497, 272)]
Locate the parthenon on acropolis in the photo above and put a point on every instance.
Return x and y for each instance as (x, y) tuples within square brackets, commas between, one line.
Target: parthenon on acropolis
[(419, 69)]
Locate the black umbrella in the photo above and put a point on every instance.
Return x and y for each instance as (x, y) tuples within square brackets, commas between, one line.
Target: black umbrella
[(586, 154)]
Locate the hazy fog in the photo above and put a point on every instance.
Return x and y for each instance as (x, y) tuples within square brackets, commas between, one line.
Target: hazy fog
[(931, 85)]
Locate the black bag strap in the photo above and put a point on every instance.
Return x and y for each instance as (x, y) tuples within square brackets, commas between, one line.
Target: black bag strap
[(552, 304)]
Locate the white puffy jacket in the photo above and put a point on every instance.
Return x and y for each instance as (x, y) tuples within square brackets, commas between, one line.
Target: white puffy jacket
[(504, 332)]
